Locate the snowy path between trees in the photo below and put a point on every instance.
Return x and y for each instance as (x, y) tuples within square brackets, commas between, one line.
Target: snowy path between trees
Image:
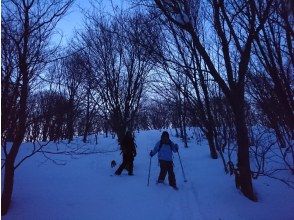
[(85, 187)]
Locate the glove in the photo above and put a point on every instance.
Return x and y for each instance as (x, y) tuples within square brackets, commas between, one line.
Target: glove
[(151, 154)]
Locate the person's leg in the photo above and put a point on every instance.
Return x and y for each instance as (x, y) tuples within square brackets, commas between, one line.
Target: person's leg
[(163, 171), (122, 166), (131, 165), (171, 174)]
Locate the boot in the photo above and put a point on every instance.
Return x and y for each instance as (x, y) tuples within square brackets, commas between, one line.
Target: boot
[(175, 188)]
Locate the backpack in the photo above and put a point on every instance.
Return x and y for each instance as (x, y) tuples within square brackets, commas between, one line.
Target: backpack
[(160, 145)]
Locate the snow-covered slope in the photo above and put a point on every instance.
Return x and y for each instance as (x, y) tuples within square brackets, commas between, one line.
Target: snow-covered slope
[(84, 187)]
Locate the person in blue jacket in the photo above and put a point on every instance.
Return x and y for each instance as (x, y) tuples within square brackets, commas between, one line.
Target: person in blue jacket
[(165, 148)]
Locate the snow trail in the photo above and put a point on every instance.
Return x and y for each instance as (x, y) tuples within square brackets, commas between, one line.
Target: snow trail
[(85, 187)]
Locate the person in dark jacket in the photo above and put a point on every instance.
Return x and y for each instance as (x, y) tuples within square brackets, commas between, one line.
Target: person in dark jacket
[(165, 148), (128, 149)]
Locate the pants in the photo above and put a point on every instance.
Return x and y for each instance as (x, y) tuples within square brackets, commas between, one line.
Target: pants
[(167, 167), (126, 164)]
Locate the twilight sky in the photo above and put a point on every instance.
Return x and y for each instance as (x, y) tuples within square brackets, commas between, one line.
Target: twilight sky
[(74, 17)]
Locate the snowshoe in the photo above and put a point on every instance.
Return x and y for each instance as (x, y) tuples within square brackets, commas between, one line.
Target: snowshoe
[(175, 188)]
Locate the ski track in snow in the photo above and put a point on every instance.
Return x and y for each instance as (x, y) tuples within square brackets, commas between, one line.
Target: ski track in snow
[(187, 203)]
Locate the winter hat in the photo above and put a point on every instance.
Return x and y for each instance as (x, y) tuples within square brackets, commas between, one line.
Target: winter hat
[(165, 137)]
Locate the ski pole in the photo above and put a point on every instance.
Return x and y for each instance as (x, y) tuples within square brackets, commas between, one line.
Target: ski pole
[(149, 171), (185, 180)]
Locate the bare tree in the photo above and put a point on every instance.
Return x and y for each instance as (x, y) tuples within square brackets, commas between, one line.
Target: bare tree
[(186, 69), (72, 73), (236, 25), (120, 67), (271, 77), (79, 66), (26, 27)]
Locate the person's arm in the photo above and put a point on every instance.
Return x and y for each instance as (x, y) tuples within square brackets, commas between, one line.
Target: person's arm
[(155, 150), (175, 147)]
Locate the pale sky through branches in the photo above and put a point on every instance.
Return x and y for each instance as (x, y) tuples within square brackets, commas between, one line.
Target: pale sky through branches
[(74, 19)]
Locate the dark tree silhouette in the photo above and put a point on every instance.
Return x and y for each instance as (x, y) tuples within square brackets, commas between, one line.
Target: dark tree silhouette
[(26, 27), (119, 67)]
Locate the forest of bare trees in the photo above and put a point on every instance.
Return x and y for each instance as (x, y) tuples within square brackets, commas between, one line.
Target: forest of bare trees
[(224, 67)]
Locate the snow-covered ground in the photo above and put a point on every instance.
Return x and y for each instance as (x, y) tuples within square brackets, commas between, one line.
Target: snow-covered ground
[(84, 187)]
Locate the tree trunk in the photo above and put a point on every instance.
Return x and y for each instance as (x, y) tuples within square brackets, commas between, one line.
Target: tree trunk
[(87, 119), (243, 148), (70, 121), (96, 138), (86, 131), (8, 186), (17, 140), (211, 144), (185, 135), (9, 166), (184, 119), (70, 130), (177, 133)]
